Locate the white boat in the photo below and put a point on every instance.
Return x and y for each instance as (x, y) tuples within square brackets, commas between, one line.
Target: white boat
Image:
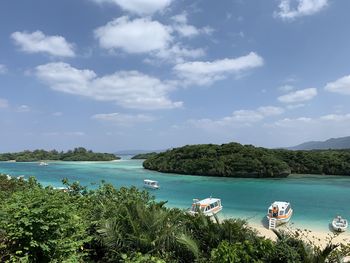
[(339, 224), (150, 184), (43, 164), (279, 213), (208, 206)]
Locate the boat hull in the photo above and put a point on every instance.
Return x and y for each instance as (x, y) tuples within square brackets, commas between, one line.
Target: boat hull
[(208, 213), (151, 187), (339, 228)]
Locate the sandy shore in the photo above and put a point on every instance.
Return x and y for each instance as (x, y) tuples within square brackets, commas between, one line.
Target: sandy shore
[(318, 238)]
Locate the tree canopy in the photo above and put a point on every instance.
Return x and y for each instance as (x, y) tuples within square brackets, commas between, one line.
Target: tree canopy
[(236, 160), (78, 154), (143, 156)]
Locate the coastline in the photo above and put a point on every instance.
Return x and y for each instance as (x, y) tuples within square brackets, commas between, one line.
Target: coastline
[(309, 233), (317, 237)]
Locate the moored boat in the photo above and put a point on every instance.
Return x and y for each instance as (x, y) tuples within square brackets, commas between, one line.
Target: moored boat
[(150, 184), (43, 164), (339, 224), (208, 206), (279, 212)]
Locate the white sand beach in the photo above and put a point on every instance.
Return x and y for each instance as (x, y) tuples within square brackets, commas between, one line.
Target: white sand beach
[(319, 238)]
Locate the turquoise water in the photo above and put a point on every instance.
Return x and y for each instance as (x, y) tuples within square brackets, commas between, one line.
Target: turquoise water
[(315, 199)]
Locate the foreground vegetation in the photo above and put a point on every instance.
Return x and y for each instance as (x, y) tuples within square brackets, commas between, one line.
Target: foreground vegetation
[(236, 160), (78, 154), (40, 224)]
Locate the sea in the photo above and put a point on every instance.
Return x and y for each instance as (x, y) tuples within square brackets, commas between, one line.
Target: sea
[(315, 199)]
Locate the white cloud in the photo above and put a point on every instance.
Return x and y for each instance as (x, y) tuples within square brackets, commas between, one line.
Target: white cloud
[(336, 117), (140, 7), (204, 73), (143, 35), (57, 114), (37, 42), (295, 106), (270, 110), (180, 18), (23, 108), (177, 54), (290, 122), (302, 8), (286, 88), (3, 69), (3, 103), (239, 118), (341, 86), (76, 133), (185, 30), (328, 121), (123, 119), (298, 96), (134, 36), (129, 89), (69, 133)]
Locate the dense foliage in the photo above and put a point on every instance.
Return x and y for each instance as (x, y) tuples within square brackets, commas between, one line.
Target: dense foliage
[(78, 154), (40, 224), (332, 162), (144, 155), (230, 160), (236, 160)]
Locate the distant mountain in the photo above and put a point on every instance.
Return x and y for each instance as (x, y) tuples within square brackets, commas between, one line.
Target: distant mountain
[(333, 143)]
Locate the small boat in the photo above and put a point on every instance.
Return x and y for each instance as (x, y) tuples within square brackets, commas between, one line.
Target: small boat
[(279, 213), (208, 206), (43, 164), (150, 184), (339, 224)]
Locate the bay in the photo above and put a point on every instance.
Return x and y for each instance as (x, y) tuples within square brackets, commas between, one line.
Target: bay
[(316, 199)]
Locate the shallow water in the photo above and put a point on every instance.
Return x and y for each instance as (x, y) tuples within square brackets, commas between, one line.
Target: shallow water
[(315, 199)]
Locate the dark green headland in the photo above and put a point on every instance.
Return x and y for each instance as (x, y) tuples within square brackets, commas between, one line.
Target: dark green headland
[(78, 154), (236, 160)]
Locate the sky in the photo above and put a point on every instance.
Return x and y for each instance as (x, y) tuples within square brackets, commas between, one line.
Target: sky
[(113, 75)]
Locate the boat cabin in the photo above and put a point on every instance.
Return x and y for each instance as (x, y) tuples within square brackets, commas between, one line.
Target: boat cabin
[(150, 184), (208, 206), (281, 211)]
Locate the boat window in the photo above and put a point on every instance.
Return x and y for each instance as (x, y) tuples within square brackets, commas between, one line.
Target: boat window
[(281, 212), (270, 211), (287, 209), (212, 206), (195, 208)]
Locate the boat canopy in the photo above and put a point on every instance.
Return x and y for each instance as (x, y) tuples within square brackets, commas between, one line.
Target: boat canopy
[(206, 201), (150, 182)]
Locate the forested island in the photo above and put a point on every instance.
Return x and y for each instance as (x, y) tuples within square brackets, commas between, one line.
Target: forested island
[(236, 160), (78, 154), (43, 224), (142, 156)]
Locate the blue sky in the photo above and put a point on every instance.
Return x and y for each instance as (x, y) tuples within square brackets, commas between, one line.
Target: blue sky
[(152, 74)]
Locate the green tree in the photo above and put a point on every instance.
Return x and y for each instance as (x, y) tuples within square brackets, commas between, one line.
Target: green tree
[(42, 225)]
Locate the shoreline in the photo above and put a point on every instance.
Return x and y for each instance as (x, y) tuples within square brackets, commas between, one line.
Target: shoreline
[(316, 237), (309, 234)]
